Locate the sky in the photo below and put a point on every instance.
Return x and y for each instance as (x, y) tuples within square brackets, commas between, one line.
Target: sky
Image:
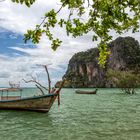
[(19, 60)]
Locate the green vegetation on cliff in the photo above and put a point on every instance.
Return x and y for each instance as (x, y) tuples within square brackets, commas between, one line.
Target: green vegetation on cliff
[(128, 81), (85, 57)]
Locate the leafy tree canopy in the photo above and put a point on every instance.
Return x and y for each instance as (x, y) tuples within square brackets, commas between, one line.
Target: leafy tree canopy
[(103, 16)]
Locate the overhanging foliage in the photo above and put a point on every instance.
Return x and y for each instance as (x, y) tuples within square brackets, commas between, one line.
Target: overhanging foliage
[(103, 16)]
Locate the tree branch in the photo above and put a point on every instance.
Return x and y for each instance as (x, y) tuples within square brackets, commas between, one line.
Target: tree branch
[(49, 81), (60, 8), (34, 81), (41, 22), (40, 89), (46, 17)]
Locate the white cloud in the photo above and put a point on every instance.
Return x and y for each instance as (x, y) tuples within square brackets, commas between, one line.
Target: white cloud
[(19, 18)]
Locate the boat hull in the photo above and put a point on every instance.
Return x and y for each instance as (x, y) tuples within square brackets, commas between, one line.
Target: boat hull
[(85, 92), (38, 103)]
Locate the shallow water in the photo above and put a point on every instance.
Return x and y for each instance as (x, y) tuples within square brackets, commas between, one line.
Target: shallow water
[(109, 115)]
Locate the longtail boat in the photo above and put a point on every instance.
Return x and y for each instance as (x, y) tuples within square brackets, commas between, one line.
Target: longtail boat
[(40, 103), (86, 92)]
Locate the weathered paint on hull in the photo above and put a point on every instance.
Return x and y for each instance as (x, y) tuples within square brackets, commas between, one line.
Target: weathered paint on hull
[(39, 103)]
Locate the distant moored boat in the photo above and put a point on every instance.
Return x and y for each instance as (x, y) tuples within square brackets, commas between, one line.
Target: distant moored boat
[(86, 92)]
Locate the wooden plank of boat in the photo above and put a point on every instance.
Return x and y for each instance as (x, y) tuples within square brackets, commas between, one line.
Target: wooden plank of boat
[(38, 103), (86, 92)]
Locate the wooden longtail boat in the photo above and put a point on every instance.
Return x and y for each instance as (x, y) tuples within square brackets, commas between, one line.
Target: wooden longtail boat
[(40, 103), (86, 92)]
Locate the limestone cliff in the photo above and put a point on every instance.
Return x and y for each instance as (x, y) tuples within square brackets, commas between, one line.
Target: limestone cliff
[(84, 71)]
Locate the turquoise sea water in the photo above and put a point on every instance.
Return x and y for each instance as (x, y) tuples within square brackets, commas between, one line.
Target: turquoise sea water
[(109, 115)]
